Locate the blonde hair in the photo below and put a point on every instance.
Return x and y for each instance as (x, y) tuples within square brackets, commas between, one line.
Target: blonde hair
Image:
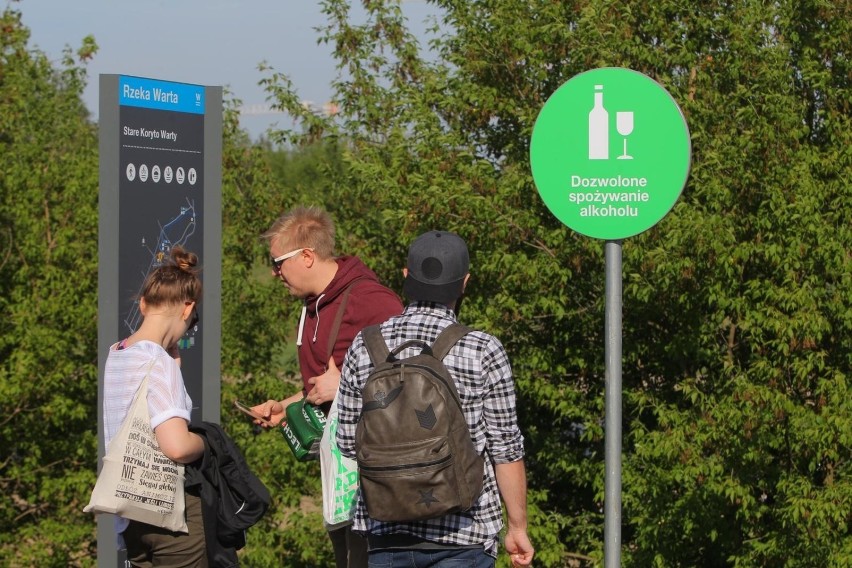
[(304, 227), (175, 281)]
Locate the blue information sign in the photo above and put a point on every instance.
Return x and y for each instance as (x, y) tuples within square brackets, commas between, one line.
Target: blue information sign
[(160, 95)]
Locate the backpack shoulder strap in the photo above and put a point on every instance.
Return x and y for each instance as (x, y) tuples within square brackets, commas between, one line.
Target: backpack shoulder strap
[(376, 346), (338, 318), (447, 338)]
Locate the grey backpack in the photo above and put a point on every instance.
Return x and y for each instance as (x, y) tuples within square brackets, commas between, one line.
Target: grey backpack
[(415, 455)]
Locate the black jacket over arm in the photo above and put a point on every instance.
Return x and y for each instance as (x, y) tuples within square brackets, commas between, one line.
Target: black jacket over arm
[(232, 497)]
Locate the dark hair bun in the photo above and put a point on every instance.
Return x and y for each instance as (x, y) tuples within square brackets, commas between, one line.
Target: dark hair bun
[(186, 261)]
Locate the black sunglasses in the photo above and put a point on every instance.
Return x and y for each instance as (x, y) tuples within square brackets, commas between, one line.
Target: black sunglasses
[(277, 262), (194, 319)]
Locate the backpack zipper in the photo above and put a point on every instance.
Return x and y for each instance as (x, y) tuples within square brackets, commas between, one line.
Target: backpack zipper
[(407, 466)]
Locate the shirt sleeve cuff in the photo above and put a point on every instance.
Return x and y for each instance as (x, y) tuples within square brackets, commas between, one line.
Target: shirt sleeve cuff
[(168, 414)]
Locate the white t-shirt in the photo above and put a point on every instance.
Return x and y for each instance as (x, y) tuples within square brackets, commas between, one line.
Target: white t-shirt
[(123, 373)]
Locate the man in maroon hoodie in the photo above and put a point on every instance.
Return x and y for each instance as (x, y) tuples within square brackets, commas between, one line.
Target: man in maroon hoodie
[(301, 243)]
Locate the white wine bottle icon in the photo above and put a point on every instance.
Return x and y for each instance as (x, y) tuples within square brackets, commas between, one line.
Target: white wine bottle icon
[(598, 128)]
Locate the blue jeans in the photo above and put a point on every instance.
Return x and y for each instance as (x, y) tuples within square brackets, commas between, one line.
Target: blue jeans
[(425, 558)]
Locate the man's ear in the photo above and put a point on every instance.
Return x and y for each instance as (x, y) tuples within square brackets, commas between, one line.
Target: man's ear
[(405, 272), (309, 257), (464, 284)]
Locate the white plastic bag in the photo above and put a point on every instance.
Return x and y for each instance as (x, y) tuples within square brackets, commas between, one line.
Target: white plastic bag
[(339, 477)]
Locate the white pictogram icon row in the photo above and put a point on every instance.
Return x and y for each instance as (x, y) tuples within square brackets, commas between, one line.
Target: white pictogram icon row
[(155, 173)]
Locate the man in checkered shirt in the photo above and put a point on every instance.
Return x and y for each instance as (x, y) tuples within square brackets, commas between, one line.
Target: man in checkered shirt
[(435, 278)]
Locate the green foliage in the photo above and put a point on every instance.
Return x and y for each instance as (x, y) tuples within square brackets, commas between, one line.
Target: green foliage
[(736, 306), (251, 304), (48, 291)]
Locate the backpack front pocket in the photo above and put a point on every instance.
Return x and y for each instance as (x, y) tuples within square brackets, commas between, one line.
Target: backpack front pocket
[(409, 482)]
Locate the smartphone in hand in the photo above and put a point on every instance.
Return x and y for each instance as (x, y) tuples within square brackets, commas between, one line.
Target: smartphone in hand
[(248, 411)]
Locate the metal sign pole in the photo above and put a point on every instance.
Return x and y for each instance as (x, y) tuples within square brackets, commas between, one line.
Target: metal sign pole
[(613, 333)]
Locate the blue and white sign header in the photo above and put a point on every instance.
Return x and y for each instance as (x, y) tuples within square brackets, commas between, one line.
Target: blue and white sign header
[(160, 95)]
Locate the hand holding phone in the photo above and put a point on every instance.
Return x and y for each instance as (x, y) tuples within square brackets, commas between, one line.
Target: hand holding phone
[(248, 411)]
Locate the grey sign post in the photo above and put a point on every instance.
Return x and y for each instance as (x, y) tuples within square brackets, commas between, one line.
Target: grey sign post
[(612, 425), (160, 185), (610, 155)]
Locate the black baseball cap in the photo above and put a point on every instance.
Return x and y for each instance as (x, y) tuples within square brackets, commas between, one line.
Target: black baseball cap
[(438, 262)]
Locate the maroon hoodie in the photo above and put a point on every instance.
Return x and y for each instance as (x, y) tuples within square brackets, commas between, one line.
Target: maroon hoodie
[(369, 303)]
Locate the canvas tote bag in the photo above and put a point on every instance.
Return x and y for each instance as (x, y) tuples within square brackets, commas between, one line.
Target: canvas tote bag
[(137, 481)]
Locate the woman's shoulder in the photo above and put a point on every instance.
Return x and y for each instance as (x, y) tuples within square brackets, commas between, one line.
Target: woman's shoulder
[(151, 347), (140, 352)]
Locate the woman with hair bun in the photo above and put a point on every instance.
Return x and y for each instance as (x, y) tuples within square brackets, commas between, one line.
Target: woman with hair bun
[(169, 305)]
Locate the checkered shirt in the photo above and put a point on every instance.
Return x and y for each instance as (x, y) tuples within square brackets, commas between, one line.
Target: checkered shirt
[(483, 376)]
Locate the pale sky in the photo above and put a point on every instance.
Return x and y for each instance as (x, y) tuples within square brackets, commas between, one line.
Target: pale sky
[(204, 42)]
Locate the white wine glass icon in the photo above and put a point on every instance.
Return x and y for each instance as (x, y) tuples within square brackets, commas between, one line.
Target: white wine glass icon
[(624, 124)]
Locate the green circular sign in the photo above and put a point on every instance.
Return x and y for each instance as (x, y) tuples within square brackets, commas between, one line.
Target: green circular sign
[(610, 153)]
